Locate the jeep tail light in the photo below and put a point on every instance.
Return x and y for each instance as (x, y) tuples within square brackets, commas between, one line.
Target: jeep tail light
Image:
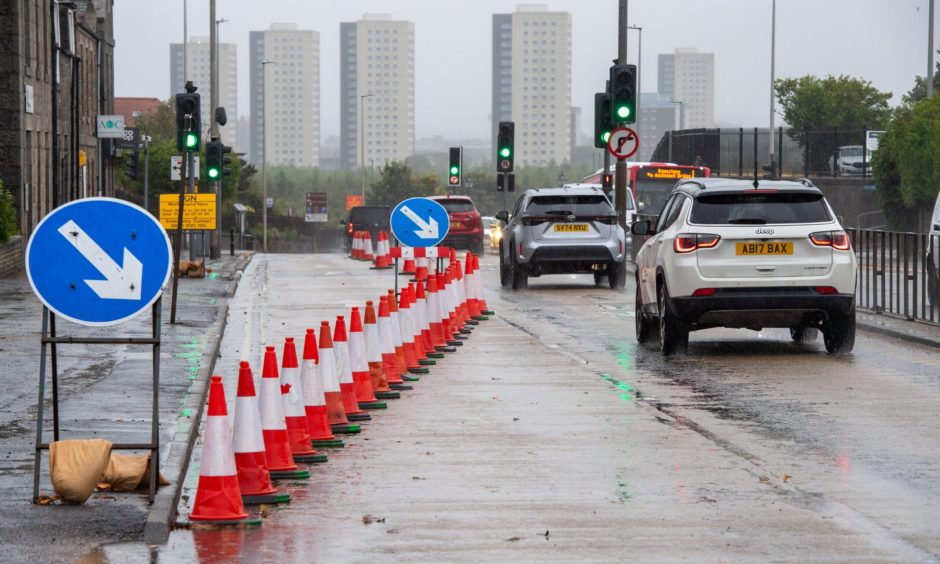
[(703, 292), (349, 228), (838, 240), (826, 290), (688, 242)]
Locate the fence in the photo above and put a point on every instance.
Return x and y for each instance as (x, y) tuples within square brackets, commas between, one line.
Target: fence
[(746, 151), (896, 276)]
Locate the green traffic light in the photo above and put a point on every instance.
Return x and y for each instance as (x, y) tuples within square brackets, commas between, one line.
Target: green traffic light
[(191, 140), (213, 173), (505, 152), (605, 136), (454, 170), (624, 111)]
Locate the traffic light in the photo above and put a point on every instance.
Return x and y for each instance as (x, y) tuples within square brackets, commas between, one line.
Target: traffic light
[(623, 93), (216, 160), (505, 182), (505, 151), (455, 169), (133, 165), (188, 122), (603, 125), (607, 180)]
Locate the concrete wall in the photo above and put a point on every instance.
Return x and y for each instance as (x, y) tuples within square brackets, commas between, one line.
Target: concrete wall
[(11, 256)]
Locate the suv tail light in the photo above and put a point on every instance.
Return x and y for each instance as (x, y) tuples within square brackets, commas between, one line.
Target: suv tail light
[(838, 240), (688, 242), (349, 228)]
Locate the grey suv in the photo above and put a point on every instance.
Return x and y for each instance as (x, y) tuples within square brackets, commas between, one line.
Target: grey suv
[(569, 230)]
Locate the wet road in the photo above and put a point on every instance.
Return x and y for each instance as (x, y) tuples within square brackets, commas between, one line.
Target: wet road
[(553, 436)]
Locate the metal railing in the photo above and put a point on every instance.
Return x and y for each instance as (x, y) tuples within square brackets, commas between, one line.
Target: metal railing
[(895, 274)]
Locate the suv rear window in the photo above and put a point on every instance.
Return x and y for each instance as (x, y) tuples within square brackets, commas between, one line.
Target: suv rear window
[(456, 206), (586, 204), (759, 208), (371, 215)]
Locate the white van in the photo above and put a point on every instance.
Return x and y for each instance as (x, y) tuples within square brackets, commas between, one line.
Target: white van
[(933, 255)]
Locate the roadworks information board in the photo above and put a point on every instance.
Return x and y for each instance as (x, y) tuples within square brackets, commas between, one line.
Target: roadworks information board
[(198, 214)]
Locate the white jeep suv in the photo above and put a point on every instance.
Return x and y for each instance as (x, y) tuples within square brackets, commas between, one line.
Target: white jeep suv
[(746, 254)]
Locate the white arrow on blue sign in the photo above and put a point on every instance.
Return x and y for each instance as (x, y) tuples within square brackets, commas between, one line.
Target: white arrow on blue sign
[(420, 222), (98, 261)]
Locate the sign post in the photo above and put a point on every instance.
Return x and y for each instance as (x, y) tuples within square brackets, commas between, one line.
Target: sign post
[(97, 262)]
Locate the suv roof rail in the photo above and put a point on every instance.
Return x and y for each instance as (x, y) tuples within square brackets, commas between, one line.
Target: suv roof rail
[(806, 182)]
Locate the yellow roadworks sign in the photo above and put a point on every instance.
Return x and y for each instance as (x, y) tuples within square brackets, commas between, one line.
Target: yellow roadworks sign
[(198, 211)]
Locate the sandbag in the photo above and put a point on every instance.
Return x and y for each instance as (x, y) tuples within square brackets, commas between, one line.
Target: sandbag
[(75, 467), (127, 472), (197, 269)]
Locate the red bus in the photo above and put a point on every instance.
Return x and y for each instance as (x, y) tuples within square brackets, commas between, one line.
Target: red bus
[(652, 183)]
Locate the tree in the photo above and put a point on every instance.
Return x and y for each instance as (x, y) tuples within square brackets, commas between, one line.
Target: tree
[(7, 215), (160, 125), (906, 166), (397, 183), (814, 107)]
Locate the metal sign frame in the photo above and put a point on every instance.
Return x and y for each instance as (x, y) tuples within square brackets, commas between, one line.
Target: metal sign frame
[(49, 347)]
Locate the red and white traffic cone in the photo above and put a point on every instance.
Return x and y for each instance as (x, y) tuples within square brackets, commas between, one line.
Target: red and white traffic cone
[(417, 317), (366, 246), (318, 425), (421, 269), (383, 259), (358, 359), (473, 300), (409, 268), (335, 411), (421, 300), (354, 244), (347, 386), (295, 416), (254, 480), (435, 324), (398, 340), (461, 298), (218, 497), (387, 342), (444, 289), (407, 322), (484, 309), (375, 357), (274, 425)]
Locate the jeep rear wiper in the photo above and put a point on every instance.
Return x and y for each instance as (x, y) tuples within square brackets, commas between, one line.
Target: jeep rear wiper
[(749, 221), (559, 212)]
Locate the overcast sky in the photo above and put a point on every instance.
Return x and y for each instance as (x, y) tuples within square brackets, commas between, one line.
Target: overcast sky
[(884, 41)]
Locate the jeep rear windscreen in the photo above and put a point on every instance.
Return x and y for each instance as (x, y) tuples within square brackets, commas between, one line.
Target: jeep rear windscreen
[(569, 205), (369, 216), (759, 207), (456, 206)]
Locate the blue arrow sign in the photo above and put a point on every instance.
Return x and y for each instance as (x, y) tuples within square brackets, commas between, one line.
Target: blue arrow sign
[(420, 222), (98, 261)]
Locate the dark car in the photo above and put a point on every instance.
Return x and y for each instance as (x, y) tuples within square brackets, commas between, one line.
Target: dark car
[(366, 218), (466, 225)]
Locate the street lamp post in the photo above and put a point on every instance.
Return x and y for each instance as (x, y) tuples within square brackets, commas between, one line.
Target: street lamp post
[(215, 245), (639, 61), (362, 145), (681, 113), (773, 47), (264, 153)]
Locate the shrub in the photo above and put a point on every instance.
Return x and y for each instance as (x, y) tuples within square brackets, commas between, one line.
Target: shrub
[(7, 215)]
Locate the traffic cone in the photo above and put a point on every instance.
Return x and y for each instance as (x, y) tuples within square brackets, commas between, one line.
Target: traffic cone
[(218, 497), (314, 399), (398, 340), (354, 245), (406, 319), (387, 342), (463, 281), (484, 309), (382, 259), (366, 246), (421, 269), (444, 282), (254, 480), (359, 361), (409, 268), (277, 451), (461, 298), (435, 322), (424, 318), (347, 387), (473, 300), (374, 356), (334, 398), (295, 416), (421, 352)]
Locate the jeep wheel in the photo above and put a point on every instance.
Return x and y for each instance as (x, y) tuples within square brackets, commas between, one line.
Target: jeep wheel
[(520, 278), (644, 329), (839, 333), (673, 334), (617, 275)]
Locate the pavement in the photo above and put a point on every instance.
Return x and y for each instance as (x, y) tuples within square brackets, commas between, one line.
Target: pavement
[(104, 392), (91, 380)]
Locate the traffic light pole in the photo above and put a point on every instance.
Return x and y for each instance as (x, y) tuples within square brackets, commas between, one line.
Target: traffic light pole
[(620, 176), (185, 178), (146, 173), (215, 238)]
